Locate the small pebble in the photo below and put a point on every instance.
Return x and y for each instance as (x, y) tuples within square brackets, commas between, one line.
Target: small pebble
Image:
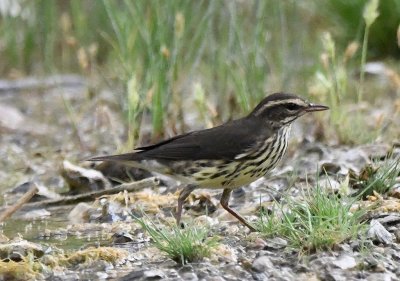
[(262, 264), (276, 243), (379, 268), (190, 276)]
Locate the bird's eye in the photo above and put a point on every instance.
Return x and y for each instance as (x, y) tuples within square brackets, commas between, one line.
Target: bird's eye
[(292, 106)]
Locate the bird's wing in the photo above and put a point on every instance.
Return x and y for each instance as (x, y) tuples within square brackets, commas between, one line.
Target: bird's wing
[(232, 140), (222, 142)]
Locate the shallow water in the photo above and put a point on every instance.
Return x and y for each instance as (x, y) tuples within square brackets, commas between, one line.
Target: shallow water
[(53, 230)]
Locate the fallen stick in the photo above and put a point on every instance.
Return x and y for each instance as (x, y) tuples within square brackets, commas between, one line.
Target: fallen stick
[(130, 187), (20, 202)]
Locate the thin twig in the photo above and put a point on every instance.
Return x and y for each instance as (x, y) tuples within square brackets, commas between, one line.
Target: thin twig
[(20, 202), (132, 186)]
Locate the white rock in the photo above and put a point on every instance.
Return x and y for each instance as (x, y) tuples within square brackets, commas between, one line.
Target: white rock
[(378, 232), (345, 262)]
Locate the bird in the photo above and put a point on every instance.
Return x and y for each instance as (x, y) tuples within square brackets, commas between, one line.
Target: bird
[(227, 156)]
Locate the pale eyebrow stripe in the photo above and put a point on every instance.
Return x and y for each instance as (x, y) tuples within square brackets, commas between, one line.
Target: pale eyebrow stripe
[(273, 103)]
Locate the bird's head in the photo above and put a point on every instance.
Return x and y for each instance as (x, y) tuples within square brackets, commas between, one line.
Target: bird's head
[(281, 109)]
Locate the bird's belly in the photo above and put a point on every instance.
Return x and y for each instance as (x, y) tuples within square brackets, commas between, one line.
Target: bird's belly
[(252, 169), (230, 180), (239, 174)]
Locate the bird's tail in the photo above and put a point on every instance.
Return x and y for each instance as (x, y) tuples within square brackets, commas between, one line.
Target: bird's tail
[(134, 159), (126, 157)]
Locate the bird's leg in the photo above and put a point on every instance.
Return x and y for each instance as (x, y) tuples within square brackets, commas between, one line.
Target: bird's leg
[(226, 194), (182, 197)]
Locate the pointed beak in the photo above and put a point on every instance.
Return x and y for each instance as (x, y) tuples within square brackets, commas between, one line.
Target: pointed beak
[(316, 107)]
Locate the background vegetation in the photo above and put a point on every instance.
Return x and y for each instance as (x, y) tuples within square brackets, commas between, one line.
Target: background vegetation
[(225, 54)]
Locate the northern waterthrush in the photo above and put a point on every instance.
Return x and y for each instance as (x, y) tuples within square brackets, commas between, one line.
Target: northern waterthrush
[(227, 156)]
